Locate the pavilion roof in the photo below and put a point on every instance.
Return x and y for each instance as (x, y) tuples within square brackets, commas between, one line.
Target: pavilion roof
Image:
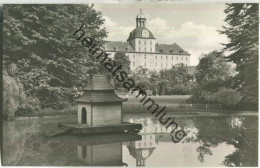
[(99, 90), (99, 82)]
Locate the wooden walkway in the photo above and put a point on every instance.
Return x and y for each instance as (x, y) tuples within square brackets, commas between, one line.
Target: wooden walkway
[(58, 131), (83, 129)]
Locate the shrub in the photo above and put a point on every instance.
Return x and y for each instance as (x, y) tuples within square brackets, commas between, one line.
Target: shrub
[(228, 97), (28, 106), (15, 101), (13, 96)]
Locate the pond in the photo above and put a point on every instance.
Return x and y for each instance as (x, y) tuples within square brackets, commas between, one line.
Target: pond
[(230, 140)]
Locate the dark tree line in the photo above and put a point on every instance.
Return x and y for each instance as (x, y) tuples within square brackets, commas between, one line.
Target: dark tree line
[(41, 53), (215, 83), (242, 30)]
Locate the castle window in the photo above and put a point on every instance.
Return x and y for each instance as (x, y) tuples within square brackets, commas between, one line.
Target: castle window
[(177, 58), (186, 58), (166, 57), (144, 42), (156, 57), (161, 56), (115, 48), (145, 64), (134, 56), (156, 64), (133, 63), (139, 42), (172, 57)]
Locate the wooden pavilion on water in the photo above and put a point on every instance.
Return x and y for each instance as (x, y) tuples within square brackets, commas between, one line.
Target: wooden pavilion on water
[(99, 110)]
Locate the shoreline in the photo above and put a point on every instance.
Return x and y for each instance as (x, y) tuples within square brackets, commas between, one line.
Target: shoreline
[(180, 114)]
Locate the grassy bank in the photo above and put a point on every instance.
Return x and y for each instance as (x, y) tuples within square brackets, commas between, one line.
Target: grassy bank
[(69, 110), (133, 106), (173, 105)]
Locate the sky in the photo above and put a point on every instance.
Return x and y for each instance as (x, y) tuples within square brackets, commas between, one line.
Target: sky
[(194, 27)]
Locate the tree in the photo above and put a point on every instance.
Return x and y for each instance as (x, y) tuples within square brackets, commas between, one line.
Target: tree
[(175, 81), (141, 78), (212, 75), (121, 59), (15, 100), (228, 97), (39, 40), (242, 30), (141, 70), (212, 72), (13, 96)]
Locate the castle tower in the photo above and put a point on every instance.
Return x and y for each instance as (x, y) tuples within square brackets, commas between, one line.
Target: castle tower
[(142, 39), (140, 19)]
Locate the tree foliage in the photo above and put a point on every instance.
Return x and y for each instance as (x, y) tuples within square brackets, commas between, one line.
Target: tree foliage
[(38, 40), (15, 100), (175, 81), (212, 72), (242, 30), (121, 59), (214, 81), (228, 97)]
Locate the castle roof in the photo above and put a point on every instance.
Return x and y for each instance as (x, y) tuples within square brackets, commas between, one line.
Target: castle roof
[(170, 49), (118, 46), (137, 33), (99, 90), (137, 153)]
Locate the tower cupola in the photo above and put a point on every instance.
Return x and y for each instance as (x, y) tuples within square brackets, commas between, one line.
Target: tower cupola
[(140, 19)]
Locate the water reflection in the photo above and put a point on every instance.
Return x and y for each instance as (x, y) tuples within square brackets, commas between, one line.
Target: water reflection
[(210, 141), (103, 150), (141, 150)]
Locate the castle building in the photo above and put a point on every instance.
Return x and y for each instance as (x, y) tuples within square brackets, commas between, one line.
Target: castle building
[(143, 50)]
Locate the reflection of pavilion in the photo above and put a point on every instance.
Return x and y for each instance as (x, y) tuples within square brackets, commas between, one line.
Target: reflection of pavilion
[(102, 150), (103, 154), (141, 150)]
